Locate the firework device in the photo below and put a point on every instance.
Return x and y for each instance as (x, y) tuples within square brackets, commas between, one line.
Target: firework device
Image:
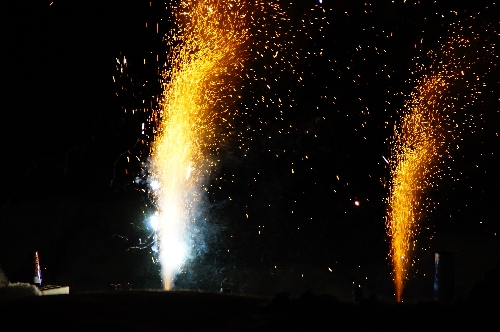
[(37, 280)]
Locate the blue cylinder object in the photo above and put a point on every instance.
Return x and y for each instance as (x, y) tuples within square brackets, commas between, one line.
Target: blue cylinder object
[(444, 276)]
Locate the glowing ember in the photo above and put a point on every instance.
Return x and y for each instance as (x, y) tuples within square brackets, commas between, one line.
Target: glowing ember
[(206, 55)]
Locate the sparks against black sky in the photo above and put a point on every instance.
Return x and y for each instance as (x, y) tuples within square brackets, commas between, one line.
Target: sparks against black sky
[(294, 36), (312, 125)]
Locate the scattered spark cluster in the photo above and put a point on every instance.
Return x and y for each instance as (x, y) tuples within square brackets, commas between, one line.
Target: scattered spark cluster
[(428, 131)]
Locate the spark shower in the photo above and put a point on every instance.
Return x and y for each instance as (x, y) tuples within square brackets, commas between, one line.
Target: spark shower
[(428, 131), (207, 55)]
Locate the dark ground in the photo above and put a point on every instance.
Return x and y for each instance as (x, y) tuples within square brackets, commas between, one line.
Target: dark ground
[(197, 311), (189, 311)]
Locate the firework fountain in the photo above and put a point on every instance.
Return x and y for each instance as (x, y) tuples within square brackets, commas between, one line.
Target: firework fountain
[(206, 55), (416, 149), (428, 128)]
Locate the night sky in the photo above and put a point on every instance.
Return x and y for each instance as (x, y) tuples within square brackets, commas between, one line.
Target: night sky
[(298, 197)]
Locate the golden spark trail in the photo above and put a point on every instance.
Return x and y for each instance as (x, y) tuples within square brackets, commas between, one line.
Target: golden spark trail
[(207, 54), (423, 139), (416, 150)]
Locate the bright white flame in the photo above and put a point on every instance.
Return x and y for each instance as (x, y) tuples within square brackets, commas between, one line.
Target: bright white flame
[(154, 184), (154, 222), (173, 248), (173, 253)]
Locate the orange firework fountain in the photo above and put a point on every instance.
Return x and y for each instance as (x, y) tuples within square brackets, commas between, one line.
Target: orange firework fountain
[(428, 127), (207, 54), (416, 149)]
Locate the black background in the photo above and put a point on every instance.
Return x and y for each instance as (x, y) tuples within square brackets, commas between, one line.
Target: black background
[(68, 192)]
